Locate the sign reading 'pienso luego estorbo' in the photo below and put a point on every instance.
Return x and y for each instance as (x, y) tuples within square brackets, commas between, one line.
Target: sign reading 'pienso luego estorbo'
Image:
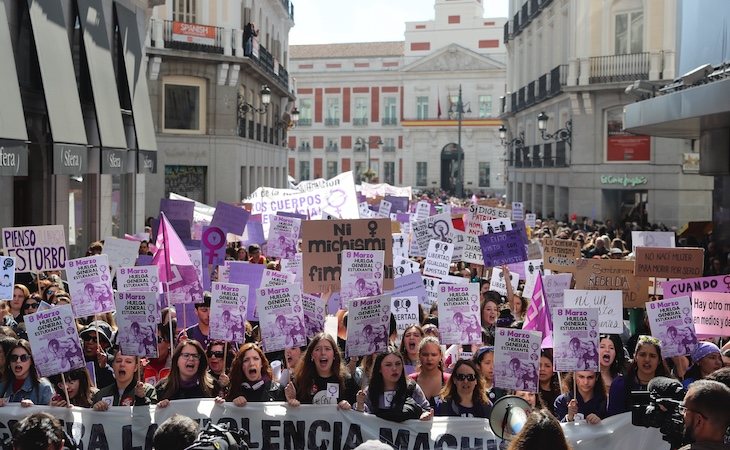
[(36, 248)]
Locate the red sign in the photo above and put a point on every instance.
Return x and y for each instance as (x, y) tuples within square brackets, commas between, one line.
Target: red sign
[(627, 147), (193, 33)]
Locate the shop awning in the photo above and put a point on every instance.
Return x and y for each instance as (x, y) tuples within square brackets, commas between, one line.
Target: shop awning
[(135, 67), (57, 72), (101, 71)]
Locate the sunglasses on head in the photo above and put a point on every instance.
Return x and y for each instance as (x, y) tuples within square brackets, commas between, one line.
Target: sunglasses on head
[(23, 358), (30, 305), (463, 377), (216, 354)]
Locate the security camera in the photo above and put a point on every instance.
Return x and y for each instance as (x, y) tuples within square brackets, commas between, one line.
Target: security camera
[(641, 90), (698, 74)]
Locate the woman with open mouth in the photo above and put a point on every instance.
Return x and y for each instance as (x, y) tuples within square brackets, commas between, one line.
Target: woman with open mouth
[(292, 356), (412, 336), (23, 384), (251, 378), (189, 377), (549, 381), (321, 377), (610, 358), (128, 389), (390, 395), (647, 364)]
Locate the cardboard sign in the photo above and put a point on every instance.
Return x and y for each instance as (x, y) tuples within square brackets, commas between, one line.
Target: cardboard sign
[(228, 311), (323, 242), (711, 313), (121, 252), (411, 285), (36, 248), (502, 248), (499, 284), (613, 274), (658, 262), (608, 304), (560, 254)]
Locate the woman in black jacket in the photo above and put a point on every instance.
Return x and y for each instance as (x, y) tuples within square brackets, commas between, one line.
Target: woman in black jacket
[(251, 378), (464, 394), (189, 377)]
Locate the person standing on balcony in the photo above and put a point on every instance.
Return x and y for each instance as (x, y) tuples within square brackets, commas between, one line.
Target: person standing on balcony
[(249, 32)]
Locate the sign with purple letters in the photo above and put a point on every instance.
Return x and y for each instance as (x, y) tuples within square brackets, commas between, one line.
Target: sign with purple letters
[(230, 218), (138, 279), (362, 274), (293, 265), (91, 285), (438, 259), (671, 321), (55, 341), (137, 317), (313, 314), (368, 324), (460, 321), (283, 236), (281, 317), (575, 339), (517, 359), (36, 248), (228, 306), (685, 287), (405, 312), (502, 248), (554, 287)]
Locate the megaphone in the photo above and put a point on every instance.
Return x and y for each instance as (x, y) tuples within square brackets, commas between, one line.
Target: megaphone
[(509, 415)]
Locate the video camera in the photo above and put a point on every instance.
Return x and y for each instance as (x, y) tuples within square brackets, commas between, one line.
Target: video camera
[(219, 437), (658, 407)]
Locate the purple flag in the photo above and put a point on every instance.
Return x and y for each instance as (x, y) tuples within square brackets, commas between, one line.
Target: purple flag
[(538, 315), (177, 271)]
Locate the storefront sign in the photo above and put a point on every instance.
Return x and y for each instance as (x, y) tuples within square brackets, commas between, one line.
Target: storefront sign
[(193, 33), (13, 158), (623, 180), (113, 161), (69, 159), (621, 145), (146, 162)]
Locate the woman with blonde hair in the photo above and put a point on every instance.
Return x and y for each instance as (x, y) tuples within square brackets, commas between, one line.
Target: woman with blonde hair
[(252, 378)]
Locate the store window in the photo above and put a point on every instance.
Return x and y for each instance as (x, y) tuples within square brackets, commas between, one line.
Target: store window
[(189, 181)]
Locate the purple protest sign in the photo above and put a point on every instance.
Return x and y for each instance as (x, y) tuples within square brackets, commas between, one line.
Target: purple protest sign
[(230, 218), (502, 248), (575, 338), (680, 288), (519, 226), (138, 279), (228, 311), (55, 341), (144, 260), (292, 215), (137, 317), (250, 275), (90, 283), (283, 236), (254, 232), (368, 321), (411, 285), (458, 307), (282, 324), (671, 321), (517, 359), (398, 204), (177, 209), (213, 245), (313, 314)]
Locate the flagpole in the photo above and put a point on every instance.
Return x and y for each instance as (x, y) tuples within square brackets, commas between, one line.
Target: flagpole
[(173, 342)]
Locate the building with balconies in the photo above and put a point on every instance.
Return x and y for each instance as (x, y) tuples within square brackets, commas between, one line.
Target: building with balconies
[(220, 104), (393, 106), (572, 60)]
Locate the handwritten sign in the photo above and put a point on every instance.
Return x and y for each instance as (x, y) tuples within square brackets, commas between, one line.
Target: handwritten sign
[(554, 287), (669, 262), (502, 248), (613, 274), (680, 288), (560, 254), (608, 303), (36, 248)]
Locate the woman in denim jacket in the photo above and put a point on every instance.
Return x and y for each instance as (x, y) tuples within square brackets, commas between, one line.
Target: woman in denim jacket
[(23, 384)]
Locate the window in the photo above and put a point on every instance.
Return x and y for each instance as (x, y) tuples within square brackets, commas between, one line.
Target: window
[(332, 144), (421, 173), (189, 181), (361, 112), (360, 167), (305, 112), (184, 10), (389, 175), (421, 108), (183, 105), (389, 112), (333, 111), (304, 170), (629, 33), (483, 174), (389, 144), (485, 106), (332, 169)]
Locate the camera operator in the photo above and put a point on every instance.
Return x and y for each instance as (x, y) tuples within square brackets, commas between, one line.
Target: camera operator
[(706, 415), (176, 433), (38, 431)]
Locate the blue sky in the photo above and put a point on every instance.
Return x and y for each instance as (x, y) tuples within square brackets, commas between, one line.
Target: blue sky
[(337, 21)]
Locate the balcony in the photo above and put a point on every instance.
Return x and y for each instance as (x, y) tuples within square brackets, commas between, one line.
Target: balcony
[(359, 148), (193, 37), (360, 121), (329, 122), (332, 147), (304, 147), (304, 122), (531, 93), (619, 68), (388, 148), (526, 14), (506, 32), (389, 121)]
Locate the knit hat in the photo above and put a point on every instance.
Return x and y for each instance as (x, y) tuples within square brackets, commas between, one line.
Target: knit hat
[(703, 349), (481, 351)]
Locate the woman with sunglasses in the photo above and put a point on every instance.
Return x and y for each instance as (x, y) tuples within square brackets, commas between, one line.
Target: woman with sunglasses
[(23, 384), (127, 390), (321, 377), (464, 394), (6, 345), (189, 377), (431, 377), (252, 378), (216, 354), (390, 395), (77, 385)]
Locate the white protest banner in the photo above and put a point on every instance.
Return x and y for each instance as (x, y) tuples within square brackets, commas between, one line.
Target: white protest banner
[(281, 317), (458, 306), (7, 277), (55, 341), (293, 265), (532, 268), (405, 311), (423, 210), (283, 236), (228, 305), (711, 313), (518, 211), (137, 317), (530, 220), (499, 284), (496, 226), (575, 339), (121, 252), (91, 285), (438, 259), (314, 314), (368, 325), (384, 208), (437, 227), (362, 274), (383, 189), (432, 290), (516, 359), (671, 321), (652, 239), (479, 213), (138, 279), (554, 287), (36, 248), (400, 245), (608, 303)]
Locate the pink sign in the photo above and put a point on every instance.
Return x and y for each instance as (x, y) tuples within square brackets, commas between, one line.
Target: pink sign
[(711, 314), (685, 287)]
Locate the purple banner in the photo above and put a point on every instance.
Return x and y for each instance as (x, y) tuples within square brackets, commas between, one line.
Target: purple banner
[(681, 288), (410, 285), (230, 218), (254, 232), (502, 248), (398, 204), (520, 226), (248, 274), (177, 209)]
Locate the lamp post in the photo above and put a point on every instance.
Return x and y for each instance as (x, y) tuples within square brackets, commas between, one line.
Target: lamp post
[(560, 135), (460, 157), (245, 107), (369, 174)]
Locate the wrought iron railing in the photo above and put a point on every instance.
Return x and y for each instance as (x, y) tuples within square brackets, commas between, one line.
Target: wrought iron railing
[(619, 68)]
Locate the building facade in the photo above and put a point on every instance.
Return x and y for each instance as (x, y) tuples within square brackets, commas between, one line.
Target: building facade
[(75, 134), (218, 138), (573, 60), (389, 111)]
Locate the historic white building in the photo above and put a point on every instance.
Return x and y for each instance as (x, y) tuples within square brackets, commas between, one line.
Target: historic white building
[(392, 107), (218, 138), (573, 60)]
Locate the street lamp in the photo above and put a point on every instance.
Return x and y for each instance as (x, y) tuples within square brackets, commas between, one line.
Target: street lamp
[(560, 135), (459, 115), (369, 174), (244, 107), (517, 142)]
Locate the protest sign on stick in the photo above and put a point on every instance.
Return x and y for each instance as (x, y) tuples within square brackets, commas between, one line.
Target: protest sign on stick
[(684, 262), (55, 341), (368, 325), (613, 274), (281, 317), (671, 322), (560, 254), (36, 248), (7, 277), (228, 311), (575, 337), (608, 303), (458, 307), (517, 359), (91, 285), (137, 317), (711, 314)]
